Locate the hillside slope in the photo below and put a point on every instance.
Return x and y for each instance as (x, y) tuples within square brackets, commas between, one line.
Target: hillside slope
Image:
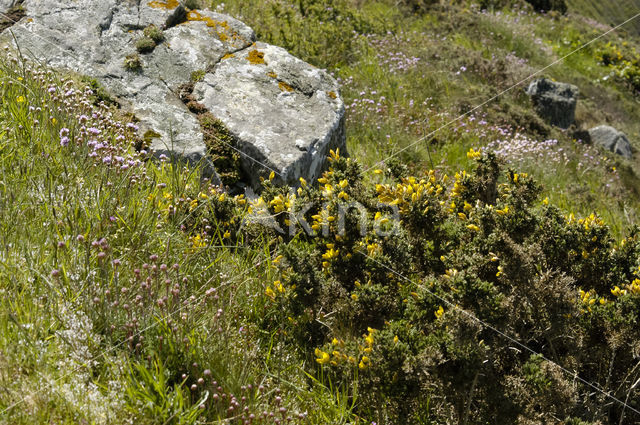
[(608, 12), (467, 264)]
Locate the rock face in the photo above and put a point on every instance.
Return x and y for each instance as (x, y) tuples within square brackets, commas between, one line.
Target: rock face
[(284, 114), (611, 139), (7, 4), (554, 102), (282, 110)]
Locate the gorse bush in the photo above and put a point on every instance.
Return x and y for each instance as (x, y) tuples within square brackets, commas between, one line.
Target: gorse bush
[(625, 62), (413, 314)]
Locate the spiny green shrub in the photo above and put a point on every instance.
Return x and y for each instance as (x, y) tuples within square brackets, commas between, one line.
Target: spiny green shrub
[(625, 62), (417, 6), (412, 313)]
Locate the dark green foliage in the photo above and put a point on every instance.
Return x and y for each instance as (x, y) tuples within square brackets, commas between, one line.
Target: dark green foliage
[(422, 306), (418, 6), (548, 5)]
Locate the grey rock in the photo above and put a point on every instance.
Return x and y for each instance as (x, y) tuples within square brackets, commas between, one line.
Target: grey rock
[(287, 131), (611, 139), (554, 102), (285, 114), (5, 5)]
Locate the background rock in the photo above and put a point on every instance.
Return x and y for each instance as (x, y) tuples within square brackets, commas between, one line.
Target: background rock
[(288, 122), (611, 139), (554, 102)]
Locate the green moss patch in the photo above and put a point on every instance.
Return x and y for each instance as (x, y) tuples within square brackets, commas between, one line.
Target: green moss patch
[(221, 145)]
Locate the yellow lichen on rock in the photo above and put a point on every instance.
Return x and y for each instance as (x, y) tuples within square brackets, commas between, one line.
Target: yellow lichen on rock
[(222, 35), (228, 56), (256, 57), (284, 86), (272, 74), (194, 15), (168, 4), (332, 95)]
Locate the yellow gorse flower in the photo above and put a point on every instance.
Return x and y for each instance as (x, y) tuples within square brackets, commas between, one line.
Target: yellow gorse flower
[(472, 154), (269, 292), (503, 211), (322, 357)]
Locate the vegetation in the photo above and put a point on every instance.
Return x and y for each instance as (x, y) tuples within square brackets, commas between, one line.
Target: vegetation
[(145, 45), (154, 33), (462, 266), (132, 62)]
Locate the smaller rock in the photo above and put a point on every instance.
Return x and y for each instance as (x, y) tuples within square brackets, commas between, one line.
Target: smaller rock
[(611, 139), (554, 102)]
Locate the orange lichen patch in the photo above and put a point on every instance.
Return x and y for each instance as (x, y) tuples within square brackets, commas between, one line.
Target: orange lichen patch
[(284, 86), (332, 95), (222, 35), (228, 56), (272, 74), (255, 57), (194, 15), (168, 4)]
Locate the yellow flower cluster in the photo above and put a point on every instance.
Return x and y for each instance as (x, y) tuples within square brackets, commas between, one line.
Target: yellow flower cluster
[(281, 203), (631, 288), (590, 221), (410, 192), (330, 254), (197, 242), (589, 299), (322, 357), (458, 185), (472, 154), (439, 312), (367, 348), (337, 356), (278, 288), (609, 54)]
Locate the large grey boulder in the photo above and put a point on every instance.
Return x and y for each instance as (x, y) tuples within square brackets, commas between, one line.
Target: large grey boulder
[(554, 102), (611, 139), (283, 113)]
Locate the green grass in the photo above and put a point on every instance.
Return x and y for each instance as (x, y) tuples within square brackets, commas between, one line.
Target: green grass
[(611, 13)]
